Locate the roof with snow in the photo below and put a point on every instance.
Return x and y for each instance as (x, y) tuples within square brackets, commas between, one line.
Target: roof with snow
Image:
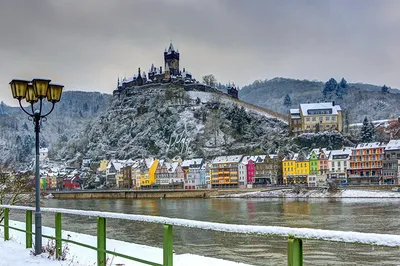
[(171, 167), (394, 144), (307, 108), (43, 150), (246, 159), (228, 159), (294, 111), (370, 145), (346, 151)]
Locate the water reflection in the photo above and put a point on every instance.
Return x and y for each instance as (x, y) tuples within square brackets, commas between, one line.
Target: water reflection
[(362, 215)]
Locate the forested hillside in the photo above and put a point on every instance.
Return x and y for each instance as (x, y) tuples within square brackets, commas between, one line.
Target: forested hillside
[(358, 100)]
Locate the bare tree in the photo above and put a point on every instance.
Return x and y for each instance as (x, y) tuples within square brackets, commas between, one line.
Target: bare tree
[(15, 189), (210, 80), (212, 125)]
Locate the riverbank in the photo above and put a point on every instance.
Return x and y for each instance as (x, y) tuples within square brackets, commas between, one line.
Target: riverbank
[(145, 194), (317, 193), (77, 256)]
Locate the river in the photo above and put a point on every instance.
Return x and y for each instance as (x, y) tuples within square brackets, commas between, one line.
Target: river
[(361, 215)]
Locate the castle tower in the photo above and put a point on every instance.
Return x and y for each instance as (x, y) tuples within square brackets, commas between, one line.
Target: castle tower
[(171, 59), (139, 79), (167, 73)]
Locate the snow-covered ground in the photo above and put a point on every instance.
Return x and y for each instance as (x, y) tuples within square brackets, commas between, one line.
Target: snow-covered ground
[(14, 253), (288, 193), (209, 96)]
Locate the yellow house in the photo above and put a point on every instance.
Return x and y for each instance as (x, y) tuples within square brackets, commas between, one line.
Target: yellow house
[(103, 166), (289, 169), (302, 169), (148, 172)]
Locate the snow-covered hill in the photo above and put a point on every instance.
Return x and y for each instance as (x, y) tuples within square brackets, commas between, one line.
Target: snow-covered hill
[(70, 116), (165, 121)]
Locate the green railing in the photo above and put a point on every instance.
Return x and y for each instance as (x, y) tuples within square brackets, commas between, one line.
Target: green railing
[(294, 235)]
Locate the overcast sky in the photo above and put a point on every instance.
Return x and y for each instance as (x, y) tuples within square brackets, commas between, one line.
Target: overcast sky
[(86, 44)]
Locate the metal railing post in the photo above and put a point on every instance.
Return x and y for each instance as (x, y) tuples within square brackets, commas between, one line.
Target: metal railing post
[(101, 241), (58, 235), (168, 251), (28, 229), (6, 224), (295, 252)]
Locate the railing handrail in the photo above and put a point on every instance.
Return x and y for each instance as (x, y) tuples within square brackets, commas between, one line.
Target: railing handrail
[(303, 233)]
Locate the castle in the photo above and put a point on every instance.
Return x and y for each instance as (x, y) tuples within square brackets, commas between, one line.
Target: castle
[(171, 73)]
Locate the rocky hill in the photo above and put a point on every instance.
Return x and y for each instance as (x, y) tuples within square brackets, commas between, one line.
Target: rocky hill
[(70, 116), (361, 99), (167, 120)]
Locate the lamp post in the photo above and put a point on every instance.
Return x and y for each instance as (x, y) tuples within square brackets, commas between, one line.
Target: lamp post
[(34, 92)]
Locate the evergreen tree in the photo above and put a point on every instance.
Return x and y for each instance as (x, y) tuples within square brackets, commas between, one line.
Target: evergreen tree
[(367, 131), (329, 88), (287, 101), (342, 88), (385, 89)]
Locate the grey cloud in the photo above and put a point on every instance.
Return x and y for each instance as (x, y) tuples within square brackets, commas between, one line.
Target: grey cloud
[(86, 44)]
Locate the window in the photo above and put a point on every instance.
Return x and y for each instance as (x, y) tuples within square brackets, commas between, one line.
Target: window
[(314, 119), (308, 119), (327, 118), (333, 118)]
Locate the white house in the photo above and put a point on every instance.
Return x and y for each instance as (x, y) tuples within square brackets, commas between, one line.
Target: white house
[(338, 163), (194, 176), (43, 154)]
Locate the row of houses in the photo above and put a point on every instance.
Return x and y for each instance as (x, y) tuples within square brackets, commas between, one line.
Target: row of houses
[(224, 171), (367, 163)]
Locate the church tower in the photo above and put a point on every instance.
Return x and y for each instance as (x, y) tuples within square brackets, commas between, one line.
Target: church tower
[(171, 59)]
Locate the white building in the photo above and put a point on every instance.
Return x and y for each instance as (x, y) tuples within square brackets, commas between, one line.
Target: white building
[(338, 163), (194, 175), (43, 154)]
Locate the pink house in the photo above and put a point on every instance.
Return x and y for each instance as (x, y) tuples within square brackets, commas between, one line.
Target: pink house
[(250, 167), (323, 162)]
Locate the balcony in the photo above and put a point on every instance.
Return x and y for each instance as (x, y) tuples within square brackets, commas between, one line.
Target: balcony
[(364, 177)]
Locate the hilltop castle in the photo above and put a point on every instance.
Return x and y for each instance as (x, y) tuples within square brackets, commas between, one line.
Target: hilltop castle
[(171, 73)]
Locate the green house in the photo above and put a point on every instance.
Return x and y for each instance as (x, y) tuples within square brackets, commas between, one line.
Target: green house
[(314, 162)]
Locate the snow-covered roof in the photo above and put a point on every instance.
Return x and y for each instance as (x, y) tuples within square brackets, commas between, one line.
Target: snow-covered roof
[(394, 144), (294, 111), (171, 167), (306, 107), (370, 145), (117, 166), (345, 151), (129, 79), (43, 150), (246, 159), (228, 159), (149, 162)]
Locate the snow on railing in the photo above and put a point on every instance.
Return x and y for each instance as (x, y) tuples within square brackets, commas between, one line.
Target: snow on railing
[(302, 233)]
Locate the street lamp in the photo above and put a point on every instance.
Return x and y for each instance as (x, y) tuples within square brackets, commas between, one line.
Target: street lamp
[(35, 91)]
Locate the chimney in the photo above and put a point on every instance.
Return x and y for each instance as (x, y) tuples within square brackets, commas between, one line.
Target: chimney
[(138, 71), (333, 103), (160, 69), (184, 70)]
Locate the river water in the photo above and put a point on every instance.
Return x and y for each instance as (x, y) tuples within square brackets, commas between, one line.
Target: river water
[(361, 215)]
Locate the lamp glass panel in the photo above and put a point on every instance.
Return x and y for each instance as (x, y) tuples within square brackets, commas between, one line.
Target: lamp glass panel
[(40, 87), (18, 88), (31, 95), (54, 92)]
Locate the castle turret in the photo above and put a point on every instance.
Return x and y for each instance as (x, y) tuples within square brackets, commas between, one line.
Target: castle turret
[(171, 58)]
